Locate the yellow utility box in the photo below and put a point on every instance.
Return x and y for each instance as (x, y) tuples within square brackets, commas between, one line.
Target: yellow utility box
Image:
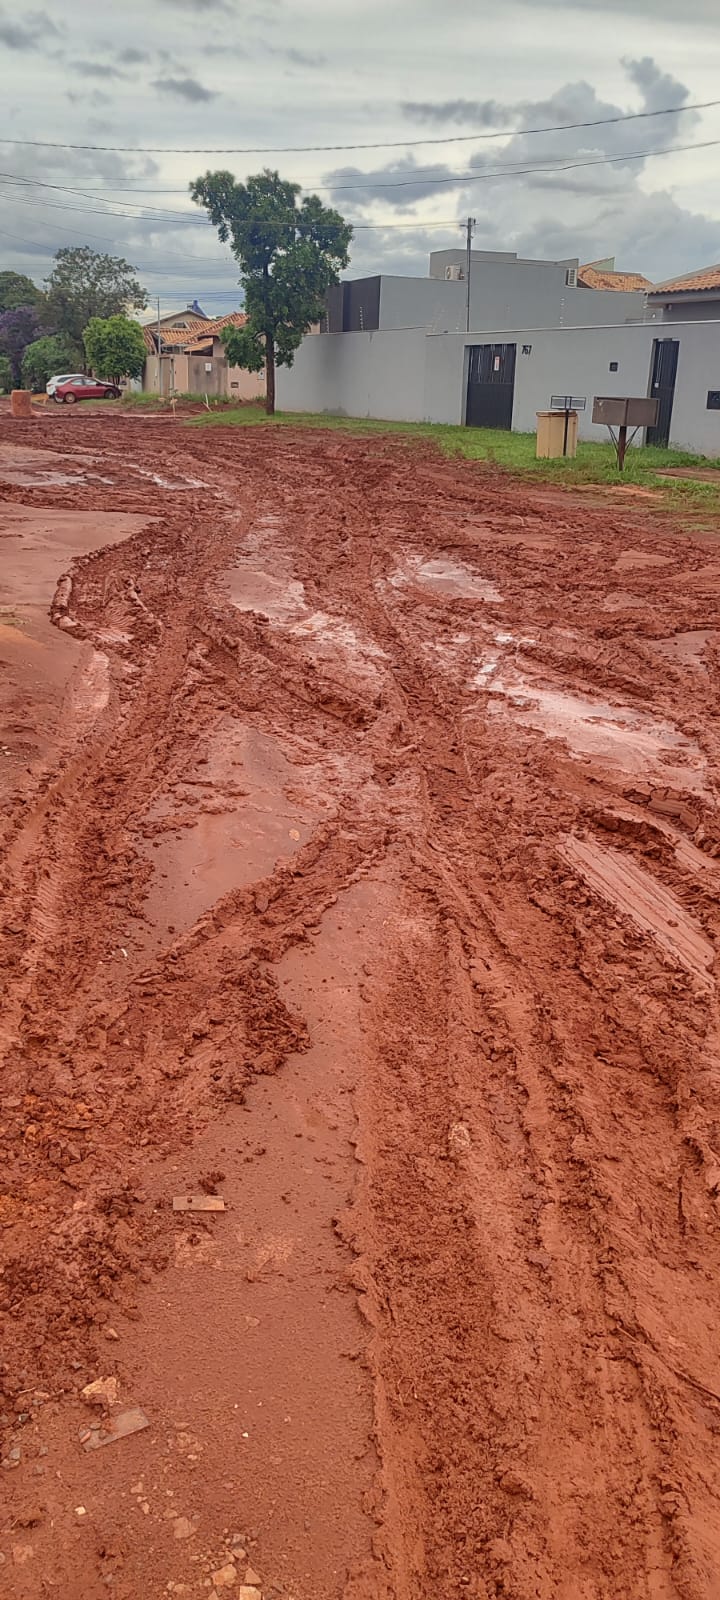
[(556, 433)]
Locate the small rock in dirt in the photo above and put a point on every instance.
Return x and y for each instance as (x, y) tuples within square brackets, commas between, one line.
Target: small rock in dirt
[(459, 1138), (253, 1578), (102, 1392), (22, 1553), (225, 1576), (183, 1528), (110, 1333), (12, 1459), (198, 1202), (513, 1483), (29, 1517), (246, 1593)]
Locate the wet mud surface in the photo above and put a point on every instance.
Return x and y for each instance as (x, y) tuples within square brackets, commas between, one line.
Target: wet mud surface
[(360, 856)]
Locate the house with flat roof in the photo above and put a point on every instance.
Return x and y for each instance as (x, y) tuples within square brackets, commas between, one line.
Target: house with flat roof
[(505, 291)]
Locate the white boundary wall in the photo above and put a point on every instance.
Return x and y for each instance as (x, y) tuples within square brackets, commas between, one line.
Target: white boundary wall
[(410, 375)]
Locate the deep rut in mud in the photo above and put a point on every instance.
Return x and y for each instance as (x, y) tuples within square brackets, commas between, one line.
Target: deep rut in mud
[(375, 856)]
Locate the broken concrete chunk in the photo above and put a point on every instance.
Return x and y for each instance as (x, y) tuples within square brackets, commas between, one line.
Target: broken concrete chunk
[(183, 1528), (198, 1202), (225, 1577), (102, 1392), (133, 1420)]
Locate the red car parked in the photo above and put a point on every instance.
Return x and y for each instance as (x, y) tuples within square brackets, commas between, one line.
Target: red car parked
[(76, 388)]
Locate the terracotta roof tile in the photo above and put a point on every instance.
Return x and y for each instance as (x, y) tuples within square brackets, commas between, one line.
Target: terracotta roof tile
[(173, 337), (692, 283), (209, 330), (591, 277)]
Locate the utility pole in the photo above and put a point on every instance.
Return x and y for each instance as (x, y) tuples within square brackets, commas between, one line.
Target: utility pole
[(468, 269), (159, 350)]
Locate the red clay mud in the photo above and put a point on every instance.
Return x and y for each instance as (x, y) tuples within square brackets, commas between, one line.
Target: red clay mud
[(359, 866)]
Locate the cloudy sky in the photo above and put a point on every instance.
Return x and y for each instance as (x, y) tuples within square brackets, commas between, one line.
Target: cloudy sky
[(443, 90)]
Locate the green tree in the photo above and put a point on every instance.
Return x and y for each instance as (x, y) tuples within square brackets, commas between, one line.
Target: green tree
[(17, 290), (46, 356), (18, 328), (84, 284), (115, 347), (289, 255), (5, 375)]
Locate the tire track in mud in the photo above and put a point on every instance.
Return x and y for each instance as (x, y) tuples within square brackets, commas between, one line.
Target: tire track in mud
[(536, 1228)]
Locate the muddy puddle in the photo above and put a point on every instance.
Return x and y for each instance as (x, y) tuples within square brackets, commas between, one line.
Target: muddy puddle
[(164, 482), (282, 600), (445, 576), (591, 727), (228, 823), (688, 647), (279, 598)]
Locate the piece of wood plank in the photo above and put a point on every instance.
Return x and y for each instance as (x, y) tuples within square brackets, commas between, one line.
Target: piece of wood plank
[(198, 1202)]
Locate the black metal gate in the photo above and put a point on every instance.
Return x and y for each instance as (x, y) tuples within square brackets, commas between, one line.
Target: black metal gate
[(662, 387), (490, 385)]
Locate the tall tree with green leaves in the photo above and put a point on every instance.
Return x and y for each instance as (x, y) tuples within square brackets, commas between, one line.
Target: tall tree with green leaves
[(85, 284), (54, 353), (289, 253), (18, 328), (17, 290), (115, 347)]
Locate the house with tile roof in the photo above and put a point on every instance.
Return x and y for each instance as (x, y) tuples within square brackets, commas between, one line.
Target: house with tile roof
[(695, 297), (192, 359), (604, 275)]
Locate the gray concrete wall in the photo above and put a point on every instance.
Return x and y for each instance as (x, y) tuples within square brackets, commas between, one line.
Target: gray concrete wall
[(693, 427), (688, 311), (457, 257), (561, 361), (428, 303), (503, 294), (413, 376), (358, 375)]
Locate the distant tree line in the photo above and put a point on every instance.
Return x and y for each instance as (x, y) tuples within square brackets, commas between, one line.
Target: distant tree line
[(78, 319), (290, 251)]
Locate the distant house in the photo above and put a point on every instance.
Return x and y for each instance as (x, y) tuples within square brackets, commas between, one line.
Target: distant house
[(192, 359), (692, 298), (603, 275), (184, 317), (505, 291)]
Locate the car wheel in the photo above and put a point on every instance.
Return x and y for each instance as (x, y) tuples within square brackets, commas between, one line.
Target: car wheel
[(69, 399), (58, 399)]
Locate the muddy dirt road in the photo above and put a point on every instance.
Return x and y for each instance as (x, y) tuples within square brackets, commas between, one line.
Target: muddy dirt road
[(360, 869)]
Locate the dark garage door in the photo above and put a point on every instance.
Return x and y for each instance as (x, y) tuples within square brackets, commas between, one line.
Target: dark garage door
[(491, 385), (662, 387)]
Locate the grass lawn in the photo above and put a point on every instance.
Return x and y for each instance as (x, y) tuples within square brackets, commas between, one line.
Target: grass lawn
[(594, 463)]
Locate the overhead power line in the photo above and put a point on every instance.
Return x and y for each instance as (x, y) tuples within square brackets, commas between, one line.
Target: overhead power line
[(377, 144), (163, 215)]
